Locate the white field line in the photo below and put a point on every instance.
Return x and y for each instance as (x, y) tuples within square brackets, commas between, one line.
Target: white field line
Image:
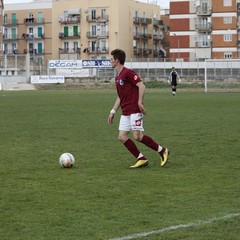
[(172, 228)]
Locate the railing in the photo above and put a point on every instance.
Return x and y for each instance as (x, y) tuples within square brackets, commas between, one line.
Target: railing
[(204, 27), (33, 20), (69, 20), (69, 50), (10, 22), (69, 35), (101, 34), (10, 36), (97, 19)]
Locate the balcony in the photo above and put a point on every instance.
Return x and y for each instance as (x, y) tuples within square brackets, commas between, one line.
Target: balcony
[(142, 51), (101, 34), (10, 51), (69, 50), (10, 22), (10, 37), (62, 35), (34, 51), (97, 19), (32, 37), (158, 37), (33, 21), (146, 36), (137, 35), (159, 53), (69, 20), (146, 21), (157, 23), (136, 20), (203, 11), (204, 27), (101, 50), (203, 44)]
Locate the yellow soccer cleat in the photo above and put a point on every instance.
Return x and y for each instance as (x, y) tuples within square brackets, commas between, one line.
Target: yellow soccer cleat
[(140, 163), (164, 157)]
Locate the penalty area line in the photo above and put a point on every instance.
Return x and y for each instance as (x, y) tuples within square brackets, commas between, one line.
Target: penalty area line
[(176, 227)]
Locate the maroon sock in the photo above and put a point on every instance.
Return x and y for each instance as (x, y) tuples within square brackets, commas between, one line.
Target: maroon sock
[(132, 148), (149, 142)]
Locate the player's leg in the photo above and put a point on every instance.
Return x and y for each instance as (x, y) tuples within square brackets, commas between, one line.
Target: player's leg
[(174, 87), (124, 128), (148, 141), (174, 90)]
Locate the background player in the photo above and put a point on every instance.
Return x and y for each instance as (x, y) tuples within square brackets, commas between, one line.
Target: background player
[(173, 79)]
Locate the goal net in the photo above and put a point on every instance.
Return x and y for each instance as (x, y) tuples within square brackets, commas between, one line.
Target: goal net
[(222, 75)]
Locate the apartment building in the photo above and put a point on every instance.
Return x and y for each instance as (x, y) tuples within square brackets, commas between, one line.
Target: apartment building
[(28, 29), (203, 29), (86, 29)]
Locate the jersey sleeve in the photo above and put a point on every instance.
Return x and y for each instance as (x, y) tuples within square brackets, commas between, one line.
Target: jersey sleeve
[(133, 77)]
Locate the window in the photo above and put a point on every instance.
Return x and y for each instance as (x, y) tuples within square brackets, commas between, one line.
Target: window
[(227, 20), (66, 45), (227, 38), (75, 46), (103, 46), (30, 15), (40, 17), (93, 14), (65, 31), (103, 30), (75, 31), (94, 30), (227, 55), (30, 32), (14, 33), (227, 3), (40, 48), (5, 20), (14, 18), (103, 13), (40, 32)]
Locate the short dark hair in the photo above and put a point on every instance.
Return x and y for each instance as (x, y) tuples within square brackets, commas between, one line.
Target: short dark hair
[(120, 55)]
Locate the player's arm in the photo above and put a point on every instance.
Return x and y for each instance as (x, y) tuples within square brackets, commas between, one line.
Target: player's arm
[(113, 111), (141, 90), (170, 77), (178, 77)]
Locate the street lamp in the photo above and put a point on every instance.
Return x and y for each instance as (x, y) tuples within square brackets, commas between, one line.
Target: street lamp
[(178, 44)]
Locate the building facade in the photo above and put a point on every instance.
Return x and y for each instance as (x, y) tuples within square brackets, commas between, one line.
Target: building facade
[(203, 29), (28, 29), (86, 29)]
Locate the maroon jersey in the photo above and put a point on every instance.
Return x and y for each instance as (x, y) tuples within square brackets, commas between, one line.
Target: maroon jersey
[(128, 91)]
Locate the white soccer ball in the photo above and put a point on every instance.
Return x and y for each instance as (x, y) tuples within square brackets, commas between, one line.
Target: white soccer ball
[(67, 160)]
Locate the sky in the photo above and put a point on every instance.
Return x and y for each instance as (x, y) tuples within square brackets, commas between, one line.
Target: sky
[(162, 3)]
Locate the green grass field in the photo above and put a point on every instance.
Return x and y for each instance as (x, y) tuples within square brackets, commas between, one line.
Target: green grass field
[(195, 197)]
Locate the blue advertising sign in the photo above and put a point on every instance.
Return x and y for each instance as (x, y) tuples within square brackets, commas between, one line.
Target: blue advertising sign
[(96, 64)]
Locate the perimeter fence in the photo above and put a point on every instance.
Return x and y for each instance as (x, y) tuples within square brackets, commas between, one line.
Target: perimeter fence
[(20, 68)]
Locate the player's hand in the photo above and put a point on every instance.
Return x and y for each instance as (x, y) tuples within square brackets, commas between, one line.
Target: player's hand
[(110, 118), (142, 109)]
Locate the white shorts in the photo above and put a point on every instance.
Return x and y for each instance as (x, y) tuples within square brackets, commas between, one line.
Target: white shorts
[(131, 123)]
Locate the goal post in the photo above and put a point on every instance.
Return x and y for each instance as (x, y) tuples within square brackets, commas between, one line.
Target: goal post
[(222, 75)]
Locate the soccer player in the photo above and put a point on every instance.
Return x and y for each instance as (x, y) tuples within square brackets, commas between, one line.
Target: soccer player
[(130, 91), (173, 78)]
